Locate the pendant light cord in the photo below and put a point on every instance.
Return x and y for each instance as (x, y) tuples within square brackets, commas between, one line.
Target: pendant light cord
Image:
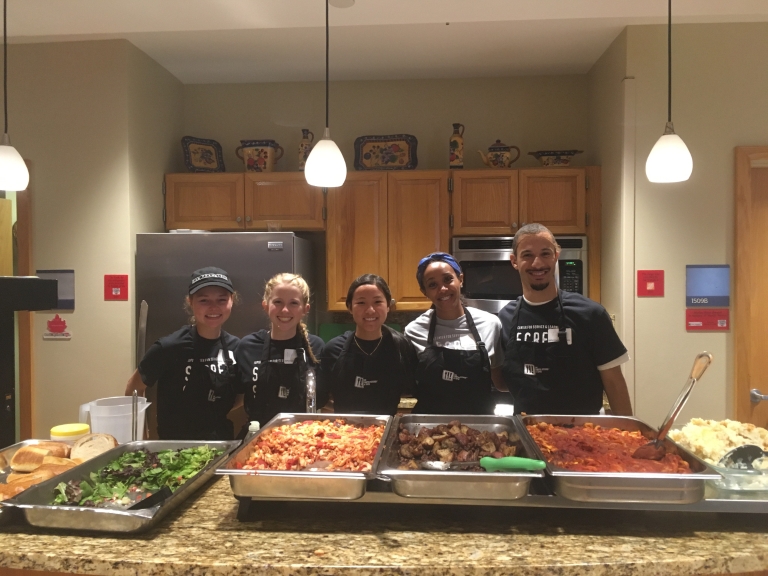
[(5, 65), (669, 64), (327, 45)]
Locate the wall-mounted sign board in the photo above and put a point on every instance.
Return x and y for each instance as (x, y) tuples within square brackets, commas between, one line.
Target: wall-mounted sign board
[(650, 282), (707, 285), (704, 319)]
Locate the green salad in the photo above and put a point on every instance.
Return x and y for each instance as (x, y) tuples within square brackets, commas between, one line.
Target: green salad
[(135, 476)]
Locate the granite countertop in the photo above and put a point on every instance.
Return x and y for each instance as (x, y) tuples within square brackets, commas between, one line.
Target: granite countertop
[(204, 537)]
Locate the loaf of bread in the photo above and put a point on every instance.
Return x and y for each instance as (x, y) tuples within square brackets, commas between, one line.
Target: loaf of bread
[(55, 468), (3, 462), (28, 458), (91, 445), (30, 479), (57, 460), (10, 490), (60, 449)]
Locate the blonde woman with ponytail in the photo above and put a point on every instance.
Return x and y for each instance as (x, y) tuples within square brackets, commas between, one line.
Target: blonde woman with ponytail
[(273, 363)]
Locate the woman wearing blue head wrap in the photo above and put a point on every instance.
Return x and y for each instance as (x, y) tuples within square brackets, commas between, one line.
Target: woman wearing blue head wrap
[(460, 355)]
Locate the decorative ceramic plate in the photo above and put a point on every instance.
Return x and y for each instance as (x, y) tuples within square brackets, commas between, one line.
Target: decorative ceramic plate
[(394, 152), (555, 157), (202, 155)]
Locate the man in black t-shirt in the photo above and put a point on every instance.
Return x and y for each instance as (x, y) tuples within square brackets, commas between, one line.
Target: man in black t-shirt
[(560, 348)]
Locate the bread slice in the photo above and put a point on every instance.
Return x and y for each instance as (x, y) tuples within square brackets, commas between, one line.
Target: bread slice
[(30, 479), (60, 449), (27, 458), (91, 445)]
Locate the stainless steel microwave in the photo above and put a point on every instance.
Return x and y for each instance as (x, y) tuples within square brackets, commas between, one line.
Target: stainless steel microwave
[(490, 282)]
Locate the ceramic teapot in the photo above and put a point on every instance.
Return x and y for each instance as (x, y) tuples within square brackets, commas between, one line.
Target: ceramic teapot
[(499, 155), (259, 155)]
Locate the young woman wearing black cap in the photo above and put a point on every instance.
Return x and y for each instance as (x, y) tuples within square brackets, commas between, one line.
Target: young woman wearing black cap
[(369, 369), (194, 367), (274, 364), (460, 355)]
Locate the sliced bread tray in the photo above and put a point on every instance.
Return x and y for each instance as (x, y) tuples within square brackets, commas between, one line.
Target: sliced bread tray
[(37, 508), (625, 487), (312, 482)]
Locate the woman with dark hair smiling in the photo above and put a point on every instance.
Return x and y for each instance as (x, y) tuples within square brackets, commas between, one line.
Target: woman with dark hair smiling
[(369, 369), (460, 355)]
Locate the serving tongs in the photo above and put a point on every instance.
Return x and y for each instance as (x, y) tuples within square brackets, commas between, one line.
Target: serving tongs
[(489, 464), (655, 449)]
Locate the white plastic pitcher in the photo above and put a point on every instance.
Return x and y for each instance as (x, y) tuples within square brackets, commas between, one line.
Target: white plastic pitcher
[(114, 416)]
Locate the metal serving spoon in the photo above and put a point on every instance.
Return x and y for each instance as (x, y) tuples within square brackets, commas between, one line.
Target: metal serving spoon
[(490, 464), (655, 449), (742, 457)]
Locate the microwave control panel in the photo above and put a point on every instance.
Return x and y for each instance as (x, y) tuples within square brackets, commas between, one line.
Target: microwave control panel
[(571, 275)]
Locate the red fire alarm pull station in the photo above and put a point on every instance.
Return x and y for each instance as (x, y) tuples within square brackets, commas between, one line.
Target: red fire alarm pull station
[(650, 282), (116, 287)]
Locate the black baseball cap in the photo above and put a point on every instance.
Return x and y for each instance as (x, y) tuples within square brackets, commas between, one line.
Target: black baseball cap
[(210, 276)]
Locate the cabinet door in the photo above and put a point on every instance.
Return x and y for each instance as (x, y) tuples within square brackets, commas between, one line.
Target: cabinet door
[(485, 202), (418, 211), (356, 238), (282, 198), (554, 197), (204, 201)]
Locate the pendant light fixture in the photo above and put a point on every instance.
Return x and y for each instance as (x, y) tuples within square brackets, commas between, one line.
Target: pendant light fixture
[(669, 160), (325, 166), (14, 175)]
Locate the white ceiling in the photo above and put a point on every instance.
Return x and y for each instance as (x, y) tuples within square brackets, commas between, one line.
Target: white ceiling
[(221, 41)]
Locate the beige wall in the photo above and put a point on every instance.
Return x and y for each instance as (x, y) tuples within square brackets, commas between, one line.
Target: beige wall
[(719, 89), (73, 109), (533, 113)]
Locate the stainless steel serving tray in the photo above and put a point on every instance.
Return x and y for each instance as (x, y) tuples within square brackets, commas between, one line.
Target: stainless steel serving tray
[(301, 484), (6, 454), (622, 487), (35, 503), (455, 484)]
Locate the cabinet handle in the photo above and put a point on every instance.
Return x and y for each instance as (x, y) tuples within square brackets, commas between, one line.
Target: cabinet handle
[(238, 219), (514, 224), (247, 218)]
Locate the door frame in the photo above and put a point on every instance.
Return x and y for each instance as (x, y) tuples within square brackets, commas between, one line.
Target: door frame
[(24, 319)]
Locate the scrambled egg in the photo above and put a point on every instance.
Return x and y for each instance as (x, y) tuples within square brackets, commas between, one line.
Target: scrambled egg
[(710, 439)]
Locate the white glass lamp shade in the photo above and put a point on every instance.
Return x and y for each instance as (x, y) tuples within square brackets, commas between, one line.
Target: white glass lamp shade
[(669, 160), (14, 176), (325, 166)]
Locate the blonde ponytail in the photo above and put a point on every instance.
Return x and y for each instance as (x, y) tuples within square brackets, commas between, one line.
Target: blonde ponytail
[(305, 333)]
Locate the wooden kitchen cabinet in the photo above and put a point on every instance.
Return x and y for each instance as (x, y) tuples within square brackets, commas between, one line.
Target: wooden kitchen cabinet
[(243, 201), (282, 198), (383, 223), (204, 201), (556, 198), (485, 202), (356, 238)]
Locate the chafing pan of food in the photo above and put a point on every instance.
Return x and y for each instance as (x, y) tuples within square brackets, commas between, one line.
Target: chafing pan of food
[(35, 503), (313, 484), (453, 484), (641, 487)]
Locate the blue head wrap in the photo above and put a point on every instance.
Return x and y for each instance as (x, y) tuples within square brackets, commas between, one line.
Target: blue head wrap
[(435, 257)]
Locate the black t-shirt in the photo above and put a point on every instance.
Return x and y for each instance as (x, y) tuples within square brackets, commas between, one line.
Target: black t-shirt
[(372, 375), (567, 379), (195, 386), (284, 390)]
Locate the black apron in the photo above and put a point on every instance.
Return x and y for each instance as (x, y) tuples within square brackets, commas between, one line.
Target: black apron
[(454, 381), (280, 387), (209, 395), (539, 374), (374, 389)]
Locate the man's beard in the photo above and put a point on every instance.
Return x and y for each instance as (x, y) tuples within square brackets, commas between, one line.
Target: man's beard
[(540, 287)]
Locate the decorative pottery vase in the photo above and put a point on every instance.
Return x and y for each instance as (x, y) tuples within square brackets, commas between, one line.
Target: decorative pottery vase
[(305, 146), (499, 155), (259, 155), (456, 147)]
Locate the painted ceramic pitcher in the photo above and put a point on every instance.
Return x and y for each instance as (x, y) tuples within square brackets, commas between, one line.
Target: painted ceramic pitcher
[(259, 155), (499, 155), (305, 146), (456, 147)]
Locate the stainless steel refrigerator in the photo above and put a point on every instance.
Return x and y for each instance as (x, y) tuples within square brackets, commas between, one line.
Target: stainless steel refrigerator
[(165, 262)]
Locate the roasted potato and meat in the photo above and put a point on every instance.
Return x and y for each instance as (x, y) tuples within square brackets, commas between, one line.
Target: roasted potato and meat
[(452, 442)]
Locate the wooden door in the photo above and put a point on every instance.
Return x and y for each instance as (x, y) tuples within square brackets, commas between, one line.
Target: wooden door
[(204, 201), (485, 202), (554, 197), (284, 199), (356, 237), (750, 309), (418, 212)]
